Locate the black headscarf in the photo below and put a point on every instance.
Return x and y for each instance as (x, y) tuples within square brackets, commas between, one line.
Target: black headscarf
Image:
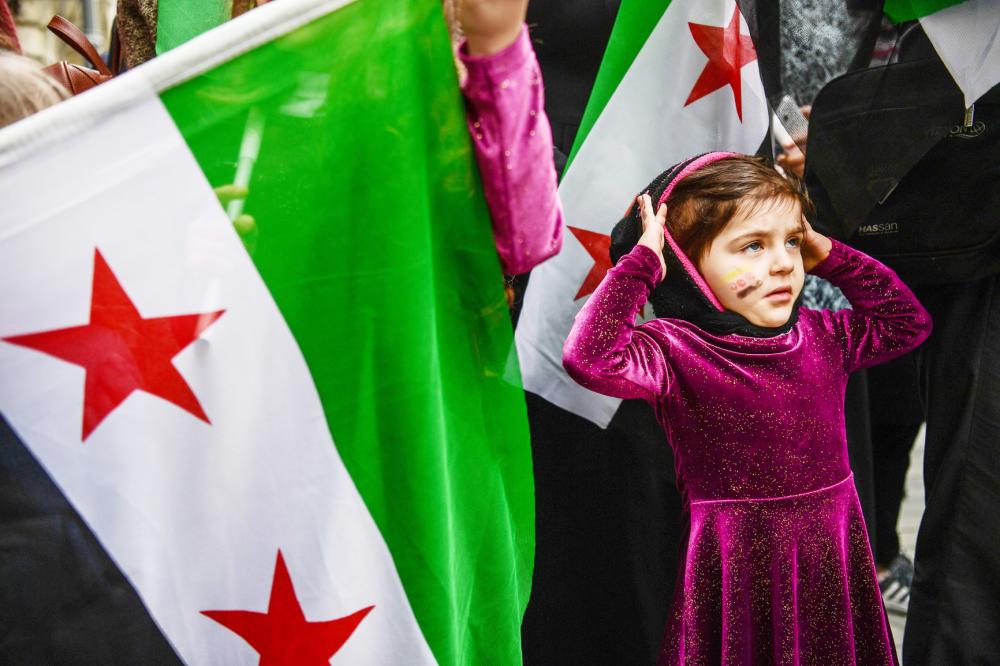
[(683, 294)]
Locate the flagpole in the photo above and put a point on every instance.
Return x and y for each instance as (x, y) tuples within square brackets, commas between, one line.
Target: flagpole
[(249, 149)]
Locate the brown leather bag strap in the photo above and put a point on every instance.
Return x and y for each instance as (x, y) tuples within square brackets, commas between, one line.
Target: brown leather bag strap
[(117, 56), (73, 36)]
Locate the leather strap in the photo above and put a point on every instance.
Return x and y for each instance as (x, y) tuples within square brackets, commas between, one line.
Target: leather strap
[(117, 55), (73, 36), (75, 78)]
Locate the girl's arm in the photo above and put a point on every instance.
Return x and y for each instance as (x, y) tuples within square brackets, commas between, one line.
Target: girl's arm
[(886, 320), (605, 351), (513, 144)]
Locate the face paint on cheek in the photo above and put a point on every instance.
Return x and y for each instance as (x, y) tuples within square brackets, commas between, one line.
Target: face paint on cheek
[(742, 281)]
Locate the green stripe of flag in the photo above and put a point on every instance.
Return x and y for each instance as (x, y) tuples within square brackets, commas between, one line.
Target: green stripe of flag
[(633, 25), (908, 10), (177, 21), (366, 197)]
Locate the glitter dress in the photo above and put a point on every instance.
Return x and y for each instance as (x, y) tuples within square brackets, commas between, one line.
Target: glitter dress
[(777, 567)]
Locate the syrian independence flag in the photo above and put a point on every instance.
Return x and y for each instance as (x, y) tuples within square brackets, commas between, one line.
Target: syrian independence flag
[(178, 21), (304, 443), (965, 36), (667, 90)]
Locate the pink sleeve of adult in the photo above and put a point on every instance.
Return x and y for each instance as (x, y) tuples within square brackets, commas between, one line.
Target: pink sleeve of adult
[(605, 351), (886, 319), (513, 143)]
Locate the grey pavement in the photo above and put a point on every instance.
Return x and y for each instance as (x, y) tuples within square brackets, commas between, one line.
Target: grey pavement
[(909, 521)]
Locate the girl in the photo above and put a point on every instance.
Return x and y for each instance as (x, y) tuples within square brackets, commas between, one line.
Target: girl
[(750, 390)]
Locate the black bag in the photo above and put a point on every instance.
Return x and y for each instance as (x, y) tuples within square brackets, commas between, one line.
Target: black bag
[(898, 169)]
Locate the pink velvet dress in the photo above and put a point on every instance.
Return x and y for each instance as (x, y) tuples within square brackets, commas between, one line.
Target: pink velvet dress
[(777, 567)]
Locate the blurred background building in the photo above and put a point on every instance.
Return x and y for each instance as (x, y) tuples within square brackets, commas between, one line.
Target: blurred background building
[(94, 17)]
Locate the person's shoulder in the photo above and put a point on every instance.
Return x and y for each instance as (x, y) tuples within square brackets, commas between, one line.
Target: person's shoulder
[(671, 332), (814, 317), (676, 338), (817, 324), (664, 325)]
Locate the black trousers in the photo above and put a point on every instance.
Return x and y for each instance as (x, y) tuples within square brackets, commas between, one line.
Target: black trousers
[(607, 537), (892, 444), (954, 613), (896, 415)]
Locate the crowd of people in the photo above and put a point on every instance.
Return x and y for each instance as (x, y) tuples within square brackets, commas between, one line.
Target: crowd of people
[(744, 374)]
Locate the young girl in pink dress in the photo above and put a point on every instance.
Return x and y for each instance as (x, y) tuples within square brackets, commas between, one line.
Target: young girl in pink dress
[(777, 568)]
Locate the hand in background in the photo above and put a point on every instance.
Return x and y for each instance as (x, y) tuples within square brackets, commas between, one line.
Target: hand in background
[(653, 229), (491, 25), (244, 223), (793, 160)]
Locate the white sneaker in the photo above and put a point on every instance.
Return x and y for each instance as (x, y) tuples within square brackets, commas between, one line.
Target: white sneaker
[(895, 586)]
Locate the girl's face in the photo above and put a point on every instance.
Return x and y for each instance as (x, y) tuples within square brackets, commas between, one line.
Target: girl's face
[(754, 265)]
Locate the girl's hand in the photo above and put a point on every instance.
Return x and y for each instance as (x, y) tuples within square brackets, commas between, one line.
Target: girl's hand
[(815, 247), (653, 229), (491, 26)]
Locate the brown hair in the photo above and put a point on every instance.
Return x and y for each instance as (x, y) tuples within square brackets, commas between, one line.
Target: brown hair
[(25, 88), (703, 203)]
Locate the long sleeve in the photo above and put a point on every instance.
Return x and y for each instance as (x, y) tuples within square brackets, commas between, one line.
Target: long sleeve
[(513, 144), (605, 351), (886, 320)]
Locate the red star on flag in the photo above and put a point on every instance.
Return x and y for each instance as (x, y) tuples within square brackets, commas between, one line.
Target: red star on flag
[(282, 635), (599, 248), (122, 351), (728, 51)]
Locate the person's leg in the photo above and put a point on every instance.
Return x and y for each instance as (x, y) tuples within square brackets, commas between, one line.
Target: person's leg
[(607, 531), (892, 444), (954, 615), (896, 415), (859, 448)]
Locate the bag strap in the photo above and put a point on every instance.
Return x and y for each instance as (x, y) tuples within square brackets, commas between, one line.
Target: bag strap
[(73, 36), (117, 56)]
